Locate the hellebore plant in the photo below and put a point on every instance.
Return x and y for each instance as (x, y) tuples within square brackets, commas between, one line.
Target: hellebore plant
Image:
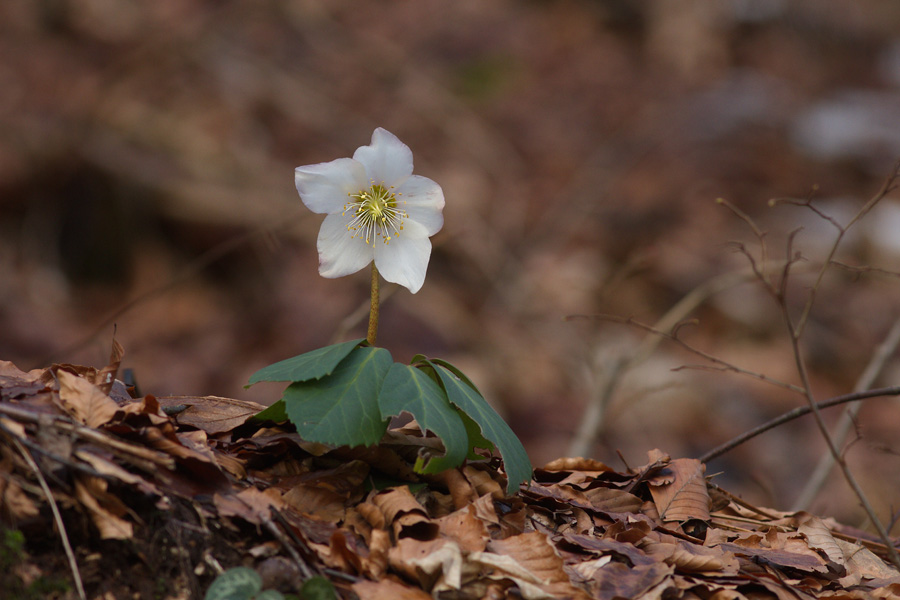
[(378, 212)]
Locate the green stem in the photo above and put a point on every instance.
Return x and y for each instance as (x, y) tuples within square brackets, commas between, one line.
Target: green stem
[(373, 312)]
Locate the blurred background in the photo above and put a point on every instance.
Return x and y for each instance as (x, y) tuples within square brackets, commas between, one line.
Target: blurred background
[(146, 157)]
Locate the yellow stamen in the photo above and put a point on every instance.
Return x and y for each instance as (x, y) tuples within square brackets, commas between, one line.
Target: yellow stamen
[(374, 213)]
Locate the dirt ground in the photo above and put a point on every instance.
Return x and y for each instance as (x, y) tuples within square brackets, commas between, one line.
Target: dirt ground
[(145, 185)]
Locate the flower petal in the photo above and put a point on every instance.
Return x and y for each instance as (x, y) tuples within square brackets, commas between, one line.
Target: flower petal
[(387, 160), (339, 253), (324, 187), (405, 259), (423, 201)]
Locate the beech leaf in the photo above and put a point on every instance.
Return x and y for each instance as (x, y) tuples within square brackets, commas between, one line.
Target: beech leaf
[(679, 491)]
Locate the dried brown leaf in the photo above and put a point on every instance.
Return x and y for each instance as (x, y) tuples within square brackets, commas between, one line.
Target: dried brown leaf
[(819, 537), (84, 400), (315, 502), (408, 557), (485, 482), (577, 464), (679, 491), (148, 407), (617, 580), (397, 501), (807, 561), (535, 553), (388, 589), (108, 468), (15, 505), (608, 547), (375, 565), (250, 504), (466, 529), (105, 509), (212, 414), (689, 558), (15, 383), (862, 564), (106, 377)]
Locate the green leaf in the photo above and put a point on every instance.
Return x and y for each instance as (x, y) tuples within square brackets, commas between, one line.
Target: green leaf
[(269, 595), (275, 412), (467, 398), (473, 430), (342, 408), (476, 439), (312, 365), (318, 588), (406, 388), (239, 583)]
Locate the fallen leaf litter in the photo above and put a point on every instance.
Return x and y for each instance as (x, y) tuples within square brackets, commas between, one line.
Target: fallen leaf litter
[(376, 529)]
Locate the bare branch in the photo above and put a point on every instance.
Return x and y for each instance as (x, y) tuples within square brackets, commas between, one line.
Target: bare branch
[(794, 414), (858, 271), (57, 517), (842, 429), (723, 365)]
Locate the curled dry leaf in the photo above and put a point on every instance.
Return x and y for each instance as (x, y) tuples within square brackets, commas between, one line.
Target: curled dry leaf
[(84, 400), (106, 377)]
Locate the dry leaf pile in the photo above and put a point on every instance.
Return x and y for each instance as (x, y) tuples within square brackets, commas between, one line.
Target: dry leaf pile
[(171, 490)]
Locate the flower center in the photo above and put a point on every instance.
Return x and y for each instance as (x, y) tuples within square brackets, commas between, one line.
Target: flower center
[(374, 213)]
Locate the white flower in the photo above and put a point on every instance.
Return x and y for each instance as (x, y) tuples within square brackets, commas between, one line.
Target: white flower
[(377, 210)]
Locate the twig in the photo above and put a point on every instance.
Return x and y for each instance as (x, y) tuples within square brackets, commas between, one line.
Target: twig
[(889, 185), (81, 468), (305, 570), (144, 455), (591, 422), (794, 414), (795, 331), (832, 448), (723, 365), (842, 429), (64, 538)]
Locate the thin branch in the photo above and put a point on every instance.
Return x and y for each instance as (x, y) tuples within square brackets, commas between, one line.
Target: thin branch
[(305, 569), (842, 429), (146, 458), (724, 365), (863, 270), (63, 536), (832, 448), (733, 369), (887, 187), (794, 414)]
